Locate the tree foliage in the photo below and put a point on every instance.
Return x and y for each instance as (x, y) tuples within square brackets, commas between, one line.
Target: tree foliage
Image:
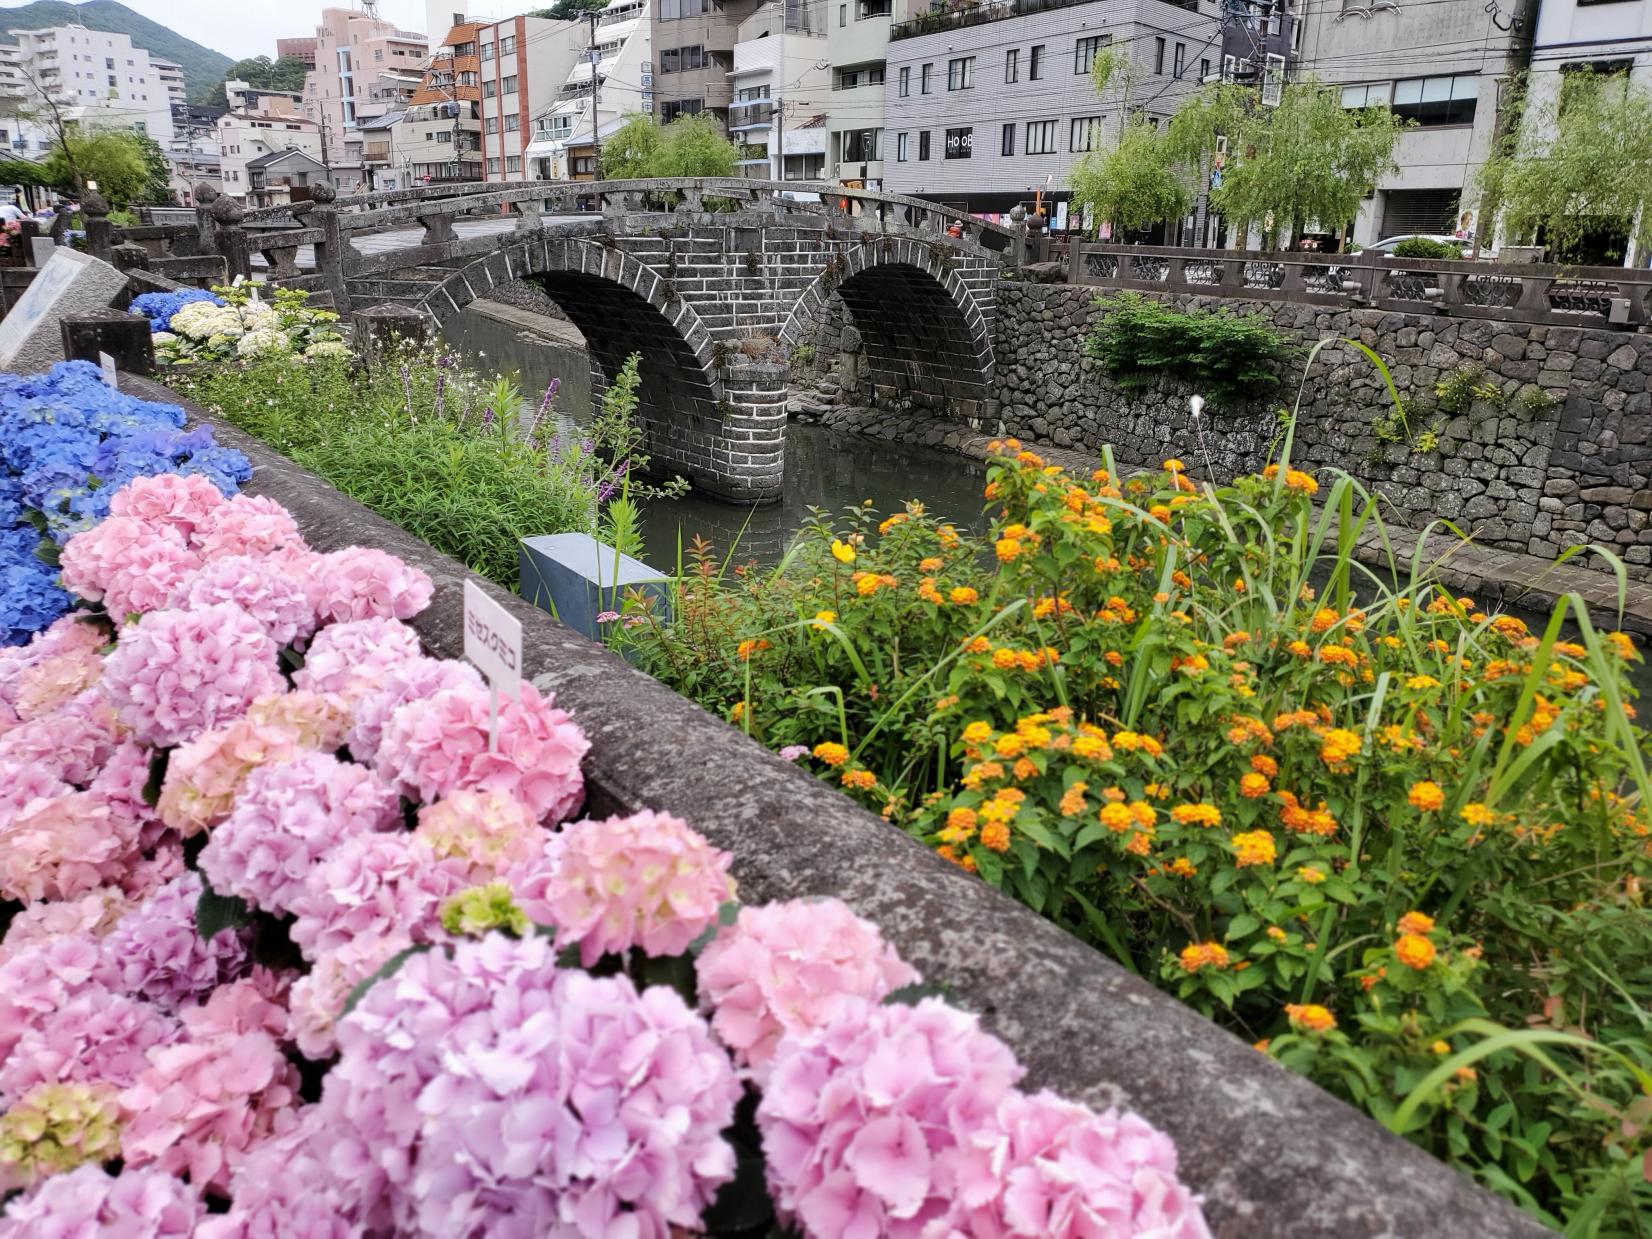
[(1307, 161), (115, 158), (569, 10), (1573, 164), (261, 73), (688, 146), (1133, 185)]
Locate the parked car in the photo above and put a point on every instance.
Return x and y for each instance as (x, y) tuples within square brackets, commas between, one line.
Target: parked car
[(1387, 244)]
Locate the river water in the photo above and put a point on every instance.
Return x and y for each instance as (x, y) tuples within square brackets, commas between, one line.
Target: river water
[(824, 469)]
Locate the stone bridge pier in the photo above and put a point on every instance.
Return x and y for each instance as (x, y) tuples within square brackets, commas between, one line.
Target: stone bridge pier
[(713, 301)]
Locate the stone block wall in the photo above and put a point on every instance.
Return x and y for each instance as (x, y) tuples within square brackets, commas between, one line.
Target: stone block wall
[(1563, 457)]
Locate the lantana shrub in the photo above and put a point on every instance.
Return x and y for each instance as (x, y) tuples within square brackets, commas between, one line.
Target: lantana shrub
[(68, 442), (292, 949), (1399, 842)]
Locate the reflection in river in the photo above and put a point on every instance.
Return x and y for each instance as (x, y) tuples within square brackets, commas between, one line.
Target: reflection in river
[(824, 469)]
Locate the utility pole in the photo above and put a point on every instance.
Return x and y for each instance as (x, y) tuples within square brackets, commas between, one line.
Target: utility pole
[(596, 144), (780, 139)]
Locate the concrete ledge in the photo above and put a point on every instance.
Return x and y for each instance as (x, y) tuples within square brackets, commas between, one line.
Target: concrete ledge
[(1273, 1156)]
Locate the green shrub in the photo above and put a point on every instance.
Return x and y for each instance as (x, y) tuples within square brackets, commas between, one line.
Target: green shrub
[(433, 448), (1228, 357), (1422, 247), (1463, 386)]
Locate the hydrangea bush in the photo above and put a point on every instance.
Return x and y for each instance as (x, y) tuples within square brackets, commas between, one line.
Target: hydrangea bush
[(295, 951), (238, 322), (68, 443)]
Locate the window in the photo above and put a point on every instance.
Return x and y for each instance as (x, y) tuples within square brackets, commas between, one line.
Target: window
[(508, 86), (513, 163), (443, 135), (493, 166), (1035, 63), (923, 79), (465, 49), (491, 125), (960, 73), (923, 144), (113, 80), (1158, 55), (1041, 137), (862, 75), (900, 148), (507, 45), (378, 55), (1374, 95), (906, 81), (671, 109), (108, 62), (873, 8), (1006, 139), (671, 10), (487, 52), (1011, 63), (489, 88), (1084, 51), (513, 122), (959, 143), (1081, 134), (843, 15), (862, 145), (1204, 69), (1437, 100), (1180, 61)]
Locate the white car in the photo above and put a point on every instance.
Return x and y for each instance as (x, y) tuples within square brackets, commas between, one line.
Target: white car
[(1387, 244)]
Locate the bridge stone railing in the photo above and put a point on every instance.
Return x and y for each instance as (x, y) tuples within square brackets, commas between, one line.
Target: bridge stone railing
[(1536, 293)]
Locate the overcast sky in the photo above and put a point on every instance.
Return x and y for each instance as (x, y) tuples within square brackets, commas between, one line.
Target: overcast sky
[(241, 28)]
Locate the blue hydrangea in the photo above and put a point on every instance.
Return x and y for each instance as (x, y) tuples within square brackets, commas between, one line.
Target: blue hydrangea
[(159, 308), (68, 442)]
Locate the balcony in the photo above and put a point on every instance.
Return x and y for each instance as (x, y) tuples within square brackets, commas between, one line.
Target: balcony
[(750, 113), (937, 20)]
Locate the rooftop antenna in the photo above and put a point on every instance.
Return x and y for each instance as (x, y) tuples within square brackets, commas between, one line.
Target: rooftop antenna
[(370, 8)]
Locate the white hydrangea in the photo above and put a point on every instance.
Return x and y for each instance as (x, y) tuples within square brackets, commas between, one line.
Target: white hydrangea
[(328, 348), (262, 342)]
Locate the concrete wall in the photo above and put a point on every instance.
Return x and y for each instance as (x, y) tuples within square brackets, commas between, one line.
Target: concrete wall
[(1522, 479), (1273, 1156)]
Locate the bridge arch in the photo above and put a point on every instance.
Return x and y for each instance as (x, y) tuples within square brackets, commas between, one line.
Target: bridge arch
[(926, 338), (718, 422)]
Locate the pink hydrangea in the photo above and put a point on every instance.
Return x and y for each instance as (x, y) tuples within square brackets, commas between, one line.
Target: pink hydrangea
[(63, 845), (1045, 1166), (90, 560), (371, 888), (789, 968), (868, 1125), (204, 775), (122, 780), (288, 815), (255, 1003), (318, 997), (154, 952), (176, 674), (459, 1078), (315, 720), (96, 1037), (74, 742), (148, 576), (256, 585), (489, 832), (53, 682), (38, 980), (247, 525), (354, 658), (286, 1188), (89, 1201), (361, 582), (144, 877), (167, 501), (412, 680), (644, 881), (92, 914), (204, 1102), (437, 746)]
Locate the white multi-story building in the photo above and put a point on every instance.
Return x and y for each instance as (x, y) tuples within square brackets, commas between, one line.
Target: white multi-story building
[(586, 107), (780, 73), (262, 123), (857, 41), (95, 78)]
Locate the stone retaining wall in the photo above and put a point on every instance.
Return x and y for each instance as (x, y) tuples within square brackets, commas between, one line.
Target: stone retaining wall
[(1564, 458), (1274, 1156)]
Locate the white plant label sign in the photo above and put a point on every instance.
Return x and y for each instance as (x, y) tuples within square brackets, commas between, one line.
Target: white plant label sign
[(493, 642), (107, 364)]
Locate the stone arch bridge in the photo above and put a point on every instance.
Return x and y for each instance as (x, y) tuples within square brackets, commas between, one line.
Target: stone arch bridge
[(712, 281)]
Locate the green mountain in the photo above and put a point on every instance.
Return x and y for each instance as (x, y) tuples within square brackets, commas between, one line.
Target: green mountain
[(203, 68)]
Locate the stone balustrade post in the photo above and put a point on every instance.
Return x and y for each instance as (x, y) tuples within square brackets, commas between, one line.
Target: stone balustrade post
[(94, 213), (230, 239), (332, 252), (206, 228)]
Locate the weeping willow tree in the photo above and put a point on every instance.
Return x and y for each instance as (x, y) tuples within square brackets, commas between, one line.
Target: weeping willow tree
[(1129, 179), (1572, 163), (1308, 160)]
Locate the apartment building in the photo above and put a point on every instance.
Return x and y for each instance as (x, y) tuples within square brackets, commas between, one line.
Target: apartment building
[(1443, 66), (524, 63), (98, 78), (857, 47), (439, 137), (260, 123), (693, 42), (991, 107), (364, 68), (297, 49), (589, 106), (780, 72)]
